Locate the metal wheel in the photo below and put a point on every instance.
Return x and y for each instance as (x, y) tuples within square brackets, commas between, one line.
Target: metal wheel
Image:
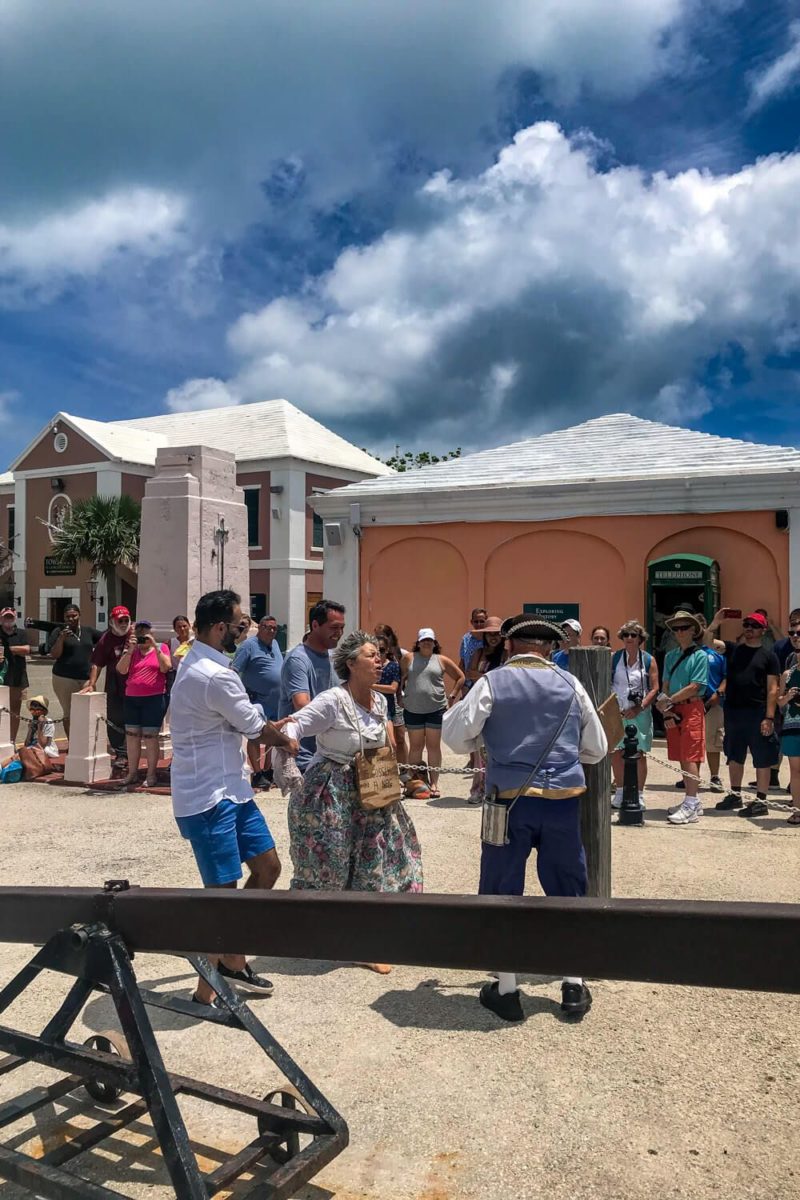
[(287, 1096), (110, 1041)]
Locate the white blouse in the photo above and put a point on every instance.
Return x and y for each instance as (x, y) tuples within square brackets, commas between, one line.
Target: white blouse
[(341, 726)]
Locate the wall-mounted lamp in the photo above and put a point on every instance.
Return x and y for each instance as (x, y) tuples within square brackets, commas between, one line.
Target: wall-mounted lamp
[(92, 586), (57, 484)]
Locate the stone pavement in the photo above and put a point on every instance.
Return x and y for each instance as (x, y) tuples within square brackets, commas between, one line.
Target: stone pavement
[(661, 1091)]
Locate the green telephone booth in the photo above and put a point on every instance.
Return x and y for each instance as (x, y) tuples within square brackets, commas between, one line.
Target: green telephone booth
[(679, 581)]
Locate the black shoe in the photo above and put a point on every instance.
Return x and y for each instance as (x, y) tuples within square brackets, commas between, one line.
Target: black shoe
[(247, 979), (732, 800), (507, 1007), (681, 785), (756, 808), (269, 776), (215, 1003), (576, 999), (257, 780)]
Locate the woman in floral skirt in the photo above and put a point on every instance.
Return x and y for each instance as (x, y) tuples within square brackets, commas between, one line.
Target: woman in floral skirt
[(335, 844)]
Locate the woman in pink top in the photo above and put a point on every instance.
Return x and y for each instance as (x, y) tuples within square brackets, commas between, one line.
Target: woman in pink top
[(145, 666)]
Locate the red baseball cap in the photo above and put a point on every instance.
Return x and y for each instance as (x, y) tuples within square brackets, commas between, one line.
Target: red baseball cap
[(120, 611), (757, 619)]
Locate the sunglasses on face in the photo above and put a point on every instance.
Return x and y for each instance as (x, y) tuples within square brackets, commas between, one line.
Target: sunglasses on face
[(794, 633), (627, 636), (750, 625), (680, 628)]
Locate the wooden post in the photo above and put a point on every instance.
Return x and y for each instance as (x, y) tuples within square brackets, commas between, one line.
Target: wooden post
[(591, 666)]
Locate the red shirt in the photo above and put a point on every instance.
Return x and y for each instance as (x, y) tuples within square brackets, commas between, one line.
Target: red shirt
[(107, 654)]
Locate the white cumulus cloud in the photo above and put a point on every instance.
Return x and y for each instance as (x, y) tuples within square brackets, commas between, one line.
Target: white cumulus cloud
[(543, 283), (201, 393), (81, 240)]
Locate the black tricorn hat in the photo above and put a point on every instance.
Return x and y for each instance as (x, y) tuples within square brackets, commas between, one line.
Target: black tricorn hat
[(527, 626)]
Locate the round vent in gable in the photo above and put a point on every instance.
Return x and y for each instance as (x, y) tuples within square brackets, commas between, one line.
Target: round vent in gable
[(60, 442)]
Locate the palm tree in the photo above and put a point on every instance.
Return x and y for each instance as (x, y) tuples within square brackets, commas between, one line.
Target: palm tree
[(103, 531)]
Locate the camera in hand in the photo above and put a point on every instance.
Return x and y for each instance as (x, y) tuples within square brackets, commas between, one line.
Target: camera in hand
[(141, 639), (635, 699)]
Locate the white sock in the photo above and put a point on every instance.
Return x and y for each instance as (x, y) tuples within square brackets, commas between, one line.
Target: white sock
[(574, 979), (506, 982)]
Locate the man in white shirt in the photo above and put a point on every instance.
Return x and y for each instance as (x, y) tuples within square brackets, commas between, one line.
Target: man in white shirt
[(538, 726), (212, 799)]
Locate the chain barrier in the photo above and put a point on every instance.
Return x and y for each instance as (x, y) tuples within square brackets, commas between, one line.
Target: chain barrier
[(423, 768), (744, 788), (58, 720)]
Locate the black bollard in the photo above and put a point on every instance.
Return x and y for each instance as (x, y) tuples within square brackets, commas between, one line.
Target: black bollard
[(631, 811)]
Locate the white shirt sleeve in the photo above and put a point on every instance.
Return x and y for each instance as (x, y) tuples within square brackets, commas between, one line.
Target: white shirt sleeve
[(225, 694), (593, 746), (462, 724), (316, 716)]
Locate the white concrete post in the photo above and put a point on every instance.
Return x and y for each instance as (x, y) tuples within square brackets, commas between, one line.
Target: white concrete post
[(88, 760), (6, 745)]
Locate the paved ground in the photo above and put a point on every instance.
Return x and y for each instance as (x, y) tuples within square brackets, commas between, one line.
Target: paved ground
[(661, 1091)]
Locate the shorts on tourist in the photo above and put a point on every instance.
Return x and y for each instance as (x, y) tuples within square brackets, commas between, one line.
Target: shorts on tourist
[(143, 714), (743, 733), (224, 837), (715, 729), (686, 742), (790, 745), (644, 731), (430, 720)]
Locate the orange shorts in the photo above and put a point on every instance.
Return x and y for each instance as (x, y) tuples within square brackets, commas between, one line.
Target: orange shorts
[(687, 742)]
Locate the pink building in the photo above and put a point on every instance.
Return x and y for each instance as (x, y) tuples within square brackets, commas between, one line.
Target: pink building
[(615, 518), (283, 456)]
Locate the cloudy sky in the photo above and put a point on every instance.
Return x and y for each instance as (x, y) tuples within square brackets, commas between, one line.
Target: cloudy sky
[(432, 222)]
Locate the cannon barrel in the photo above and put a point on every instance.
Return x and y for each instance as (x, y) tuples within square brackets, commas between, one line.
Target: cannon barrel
[(699, 943)]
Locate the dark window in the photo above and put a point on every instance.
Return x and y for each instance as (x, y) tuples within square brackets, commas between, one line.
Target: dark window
[(251, 499), (12, 529), (317, 540), (258, 605)]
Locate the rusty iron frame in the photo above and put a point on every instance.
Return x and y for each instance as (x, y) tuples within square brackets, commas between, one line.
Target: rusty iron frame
[(99, 960)]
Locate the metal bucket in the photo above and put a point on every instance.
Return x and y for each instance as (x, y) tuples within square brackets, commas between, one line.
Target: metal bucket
[(494, 820)]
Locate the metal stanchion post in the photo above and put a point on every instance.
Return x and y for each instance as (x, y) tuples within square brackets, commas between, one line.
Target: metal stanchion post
[(631, 811)]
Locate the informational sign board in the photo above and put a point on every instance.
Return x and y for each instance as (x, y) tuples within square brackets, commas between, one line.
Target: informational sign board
[(555, 612), (55, 566)]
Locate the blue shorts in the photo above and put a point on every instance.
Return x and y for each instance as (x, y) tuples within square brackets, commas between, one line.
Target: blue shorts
[(143, 714), (224, 837), (429, 720)]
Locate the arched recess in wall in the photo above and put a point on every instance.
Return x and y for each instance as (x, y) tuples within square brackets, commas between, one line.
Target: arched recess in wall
[(749, 574), (419, 581), (558, 566)]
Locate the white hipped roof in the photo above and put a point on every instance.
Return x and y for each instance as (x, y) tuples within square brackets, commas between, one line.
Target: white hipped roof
[(272, 429), (619, 447), (6, 479)]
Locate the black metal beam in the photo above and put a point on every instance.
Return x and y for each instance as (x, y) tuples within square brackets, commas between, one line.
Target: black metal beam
[(700, 943)]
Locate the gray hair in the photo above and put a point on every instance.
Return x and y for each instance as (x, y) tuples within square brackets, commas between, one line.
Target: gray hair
[(349, 648)]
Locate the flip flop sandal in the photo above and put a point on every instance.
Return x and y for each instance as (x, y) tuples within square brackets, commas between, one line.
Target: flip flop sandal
[(794, 819), (435, 794)]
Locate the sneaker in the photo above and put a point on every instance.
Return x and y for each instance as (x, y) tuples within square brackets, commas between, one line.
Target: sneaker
[(475, 798), (732, 800), (716, 784), (642, 804), (616, 799), (686, 814), (247, 979), (756, 808), (215, 1003), (677, 807), (507, 1007), (576, 999), (681, 785)]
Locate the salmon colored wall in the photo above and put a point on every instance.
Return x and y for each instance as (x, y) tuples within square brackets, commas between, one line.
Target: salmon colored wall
[(435, 574), (38, 494), (133, 486), (78, 451)]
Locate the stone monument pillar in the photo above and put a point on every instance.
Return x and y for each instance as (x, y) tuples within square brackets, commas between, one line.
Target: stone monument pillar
[(194, 534), (87, 760), (6, 745)]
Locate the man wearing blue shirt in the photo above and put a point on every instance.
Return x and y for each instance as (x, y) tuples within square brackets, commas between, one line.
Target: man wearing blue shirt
[(258, 663), (307, 669)]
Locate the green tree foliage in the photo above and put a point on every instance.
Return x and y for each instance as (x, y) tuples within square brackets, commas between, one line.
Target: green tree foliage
[(103, 531), (409, 461)]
